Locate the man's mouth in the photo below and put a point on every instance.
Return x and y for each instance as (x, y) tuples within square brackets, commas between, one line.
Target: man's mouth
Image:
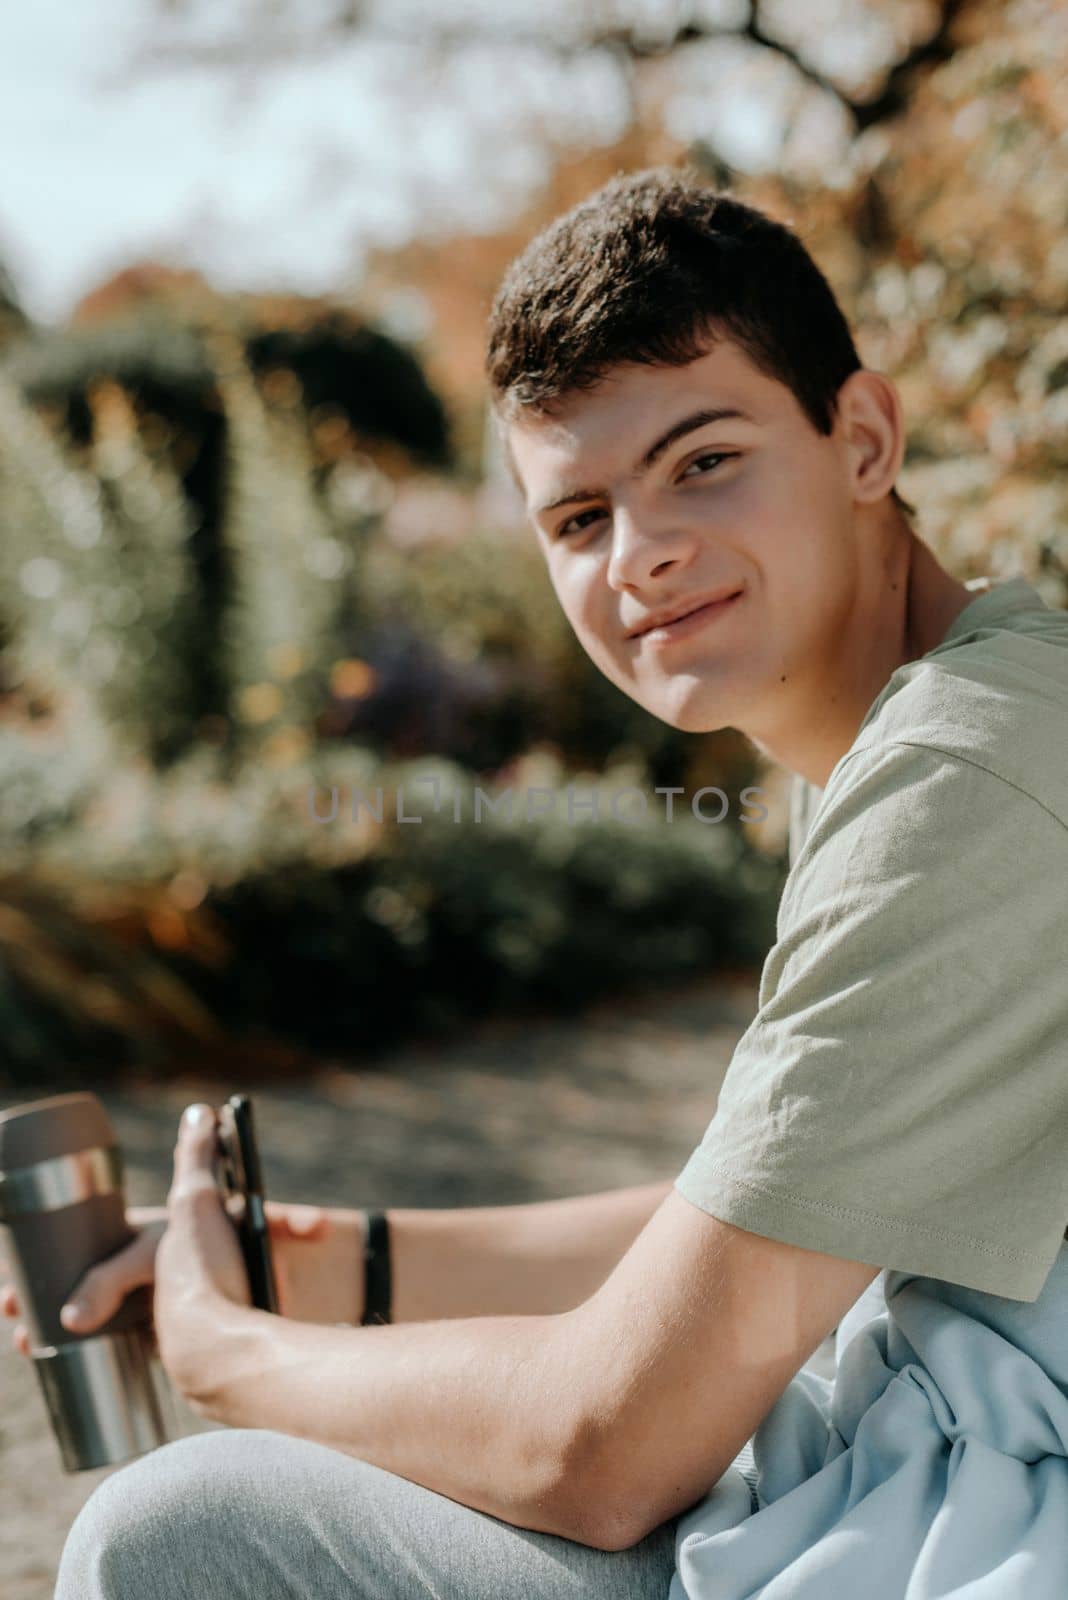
[(690, 622)]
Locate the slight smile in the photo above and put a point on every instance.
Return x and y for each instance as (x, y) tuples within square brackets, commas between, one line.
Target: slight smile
[(691, 622)]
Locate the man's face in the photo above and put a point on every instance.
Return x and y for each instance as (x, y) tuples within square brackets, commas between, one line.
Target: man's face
[(756, 506)]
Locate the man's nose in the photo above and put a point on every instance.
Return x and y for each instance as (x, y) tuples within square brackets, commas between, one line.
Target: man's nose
[(645, 548)]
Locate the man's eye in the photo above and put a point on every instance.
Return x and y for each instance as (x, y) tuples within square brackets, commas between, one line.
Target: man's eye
[(712, 455), (573, 524)]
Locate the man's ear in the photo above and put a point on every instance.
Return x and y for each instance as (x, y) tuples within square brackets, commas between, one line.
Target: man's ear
[(872, 424)]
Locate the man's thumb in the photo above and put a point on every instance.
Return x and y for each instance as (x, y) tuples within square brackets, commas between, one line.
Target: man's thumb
[(194, 1154)]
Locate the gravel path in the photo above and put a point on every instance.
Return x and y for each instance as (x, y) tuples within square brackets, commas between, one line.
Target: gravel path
[(516, 1112)]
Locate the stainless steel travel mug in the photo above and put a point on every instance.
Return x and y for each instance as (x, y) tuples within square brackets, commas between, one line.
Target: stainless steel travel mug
[(62, 1209)]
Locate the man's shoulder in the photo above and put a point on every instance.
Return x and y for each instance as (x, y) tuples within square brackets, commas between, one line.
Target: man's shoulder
[(932, 777), (995, 701), (980, 719)]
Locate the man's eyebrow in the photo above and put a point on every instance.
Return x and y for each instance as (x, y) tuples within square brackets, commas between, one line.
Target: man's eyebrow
[(689, 424)]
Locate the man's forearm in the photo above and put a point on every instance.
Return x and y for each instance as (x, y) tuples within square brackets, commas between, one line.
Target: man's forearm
[(472, 1397), (540, 1258), (481, 1410)]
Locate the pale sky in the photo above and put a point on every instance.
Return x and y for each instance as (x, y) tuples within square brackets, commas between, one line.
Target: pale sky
[(280, 175), (275, 180)]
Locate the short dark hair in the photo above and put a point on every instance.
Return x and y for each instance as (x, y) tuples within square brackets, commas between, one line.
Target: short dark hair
[(650, 269)]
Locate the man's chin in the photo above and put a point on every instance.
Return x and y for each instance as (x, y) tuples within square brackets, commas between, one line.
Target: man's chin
[(701, 724), (688, 702), (690, 716)]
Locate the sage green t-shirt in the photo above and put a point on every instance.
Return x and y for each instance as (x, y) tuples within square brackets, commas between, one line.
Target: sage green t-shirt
[(901, 1097)]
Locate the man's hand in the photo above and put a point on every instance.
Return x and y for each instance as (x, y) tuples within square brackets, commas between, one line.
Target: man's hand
[(200, 1270), (316, 1262)]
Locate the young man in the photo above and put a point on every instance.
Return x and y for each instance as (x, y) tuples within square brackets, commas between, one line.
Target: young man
[(608, 1397)]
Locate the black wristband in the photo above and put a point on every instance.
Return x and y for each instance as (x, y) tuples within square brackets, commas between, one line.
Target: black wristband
[(377, 1275)]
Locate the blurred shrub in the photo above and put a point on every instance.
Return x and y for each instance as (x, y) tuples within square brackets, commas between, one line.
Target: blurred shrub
[(353, 374), (98, 592), (340, 369), (13, 320), (47, 786), (104, 606), (448, 923), (76, 994), (243, 917), (181, 503)]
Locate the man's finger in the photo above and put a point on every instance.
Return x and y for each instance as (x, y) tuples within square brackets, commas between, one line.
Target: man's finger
[(194, 1154)]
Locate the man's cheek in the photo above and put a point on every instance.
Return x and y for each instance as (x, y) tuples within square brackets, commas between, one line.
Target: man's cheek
[(619, 666)]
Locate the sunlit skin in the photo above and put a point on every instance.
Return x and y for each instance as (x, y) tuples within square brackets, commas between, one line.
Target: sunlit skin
[(836, 591)]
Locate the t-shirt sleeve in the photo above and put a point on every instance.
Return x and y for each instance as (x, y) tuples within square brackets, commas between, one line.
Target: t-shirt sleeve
[(901, 1096), (804, 798)]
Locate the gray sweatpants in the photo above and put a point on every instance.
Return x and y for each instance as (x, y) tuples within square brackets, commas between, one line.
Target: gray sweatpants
[(253, 1514)]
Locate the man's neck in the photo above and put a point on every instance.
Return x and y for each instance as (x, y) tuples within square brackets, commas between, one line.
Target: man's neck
[(908, 605)]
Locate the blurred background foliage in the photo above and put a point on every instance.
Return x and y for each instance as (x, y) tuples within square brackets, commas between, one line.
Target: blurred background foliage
[(206, 624), (257, 548)]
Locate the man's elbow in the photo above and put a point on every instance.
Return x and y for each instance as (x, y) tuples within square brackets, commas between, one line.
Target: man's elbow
[(612, 1497), (591, 1506), (610, 1520), (581, 1518)]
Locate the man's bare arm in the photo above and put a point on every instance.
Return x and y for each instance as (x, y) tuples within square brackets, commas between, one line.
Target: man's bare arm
[(474, 1261), (540, 1258), (596, 1424)]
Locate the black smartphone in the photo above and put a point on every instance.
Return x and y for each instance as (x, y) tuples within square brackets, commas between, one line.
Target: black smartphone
[(240, 1178)]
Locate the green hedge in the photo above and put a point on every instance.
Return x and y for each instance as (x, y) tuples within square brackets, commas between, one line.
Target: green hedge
[(351, 937)]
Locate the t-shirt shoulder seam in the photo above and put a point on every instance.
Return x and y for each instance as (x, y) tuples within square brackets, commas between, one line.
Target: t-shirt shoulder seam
[(954, 755), (878, 1218)]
